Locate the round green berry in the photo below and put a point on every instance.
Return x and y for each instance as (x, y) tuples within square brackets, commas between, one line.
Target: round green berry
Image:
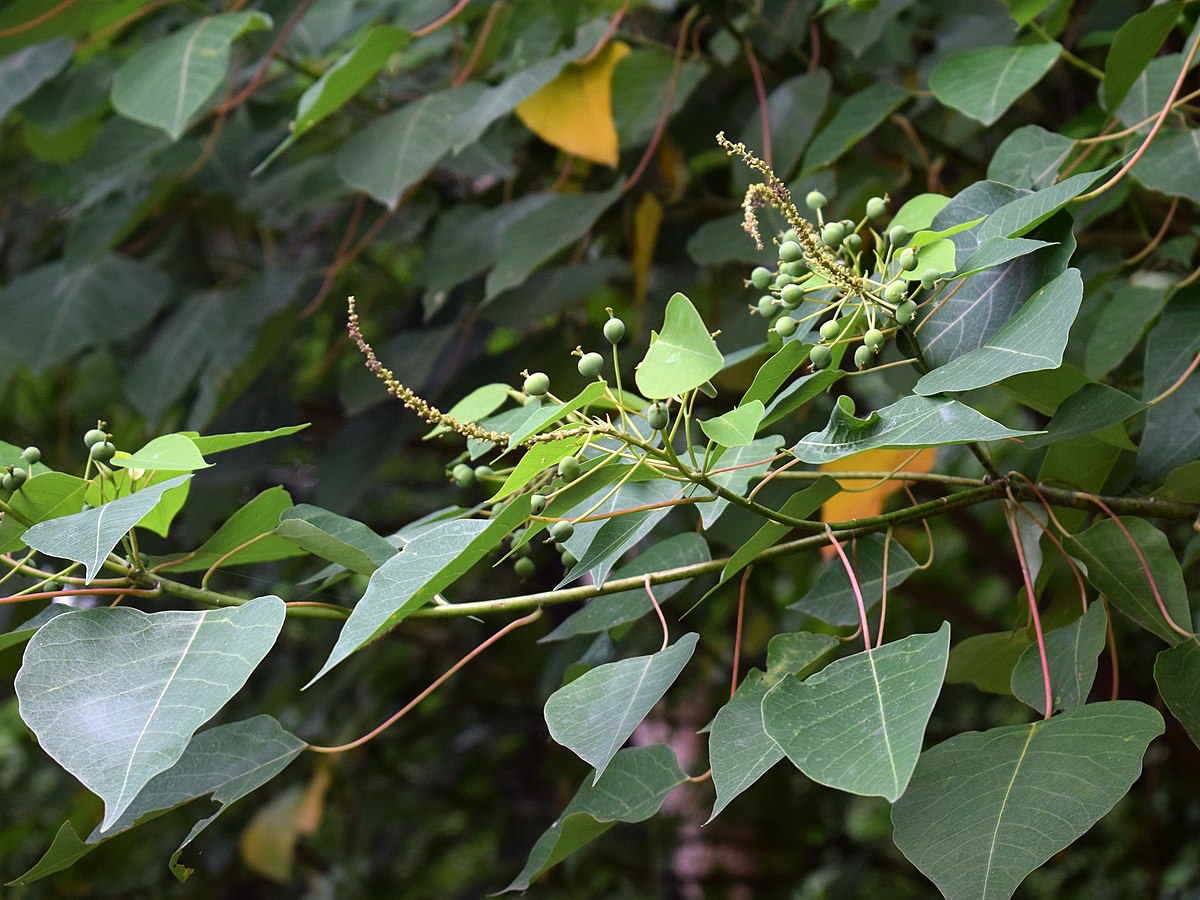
[(94, 437), (761, 278), (531, 400), (797, 268), (930, 277), (463, 475), (873, 339), (789, 235), (820, 356), (783, 280), (537, 384), (614, 330), (898, 235), (895, 292), (852, 242), (832, 234), (31, 455), (816, 200), (524, 567), (786, 326), (908, 259), (484, 471), (905, 312), (19, 476), (862, 356), (591, 365), (876, 208), (561, 532), (657, 417), (766, 306), (790, 251), (103, 451), (537, 502), (568, 469), (830, 330), (792, 295), (569, 559), (8, 482)]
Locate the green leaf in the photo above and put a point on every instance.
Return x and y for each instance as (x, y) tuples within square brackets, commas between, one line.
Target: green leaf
[(631, 790), (1171, 436), (800, 391), (773, 373), (49, 495), (483, 401), (735, 428), (1032, 340), (997, 250), (1029, 157), (1177, 674), (987, 660), (167, 82), (919, 212), (983, 83), (1166, 162), (170, 452), (251, 521), (340, 540), (526, 421), (793, 108), (684, 356), (857, 725), (832, 598), (739, 750), (218, 443), (1134, 45), (1091, 408), (1114, 569), (1031, 208), (553, 226), (985, 809), (1121, 325), (23, 72), (26, 629), (114, 695), (411, 578), (89, 536), (797, 653), (736, 479), (346, 77), (598, 711), (399, 149), (611, 610), (856, 117), (1071, 652), (598, 545), (536, 460), (228, 762), (641, 88), (911, 422)]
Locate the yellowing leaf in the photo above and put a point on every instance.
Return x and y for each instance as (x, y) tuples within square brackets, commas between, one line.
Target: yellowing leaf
[(268, 843), (647, 219), (847, 505), (574, 111)]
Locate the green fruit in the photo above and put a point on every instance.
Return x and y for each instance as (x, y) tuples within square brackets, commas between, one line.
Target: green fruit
[(790, 251), (820, 356), (463, 475), (783, 280), (832, 234), (532, 401), (815, 200), (31, 455), (830, 330), (761, 278), (568, 469), (908, 259), (852, 242), (537, 384), (898, 235), (103, 451), (524, 567), (484, 472), (905, 312), (789, 235), (766, 307), (8, 483), (537, 502), (614, 330), (876, 208), (658, 417), (862, 356), (895, 292), (94, 437), (930, 277), (792, 295), (569, 559), (873, 338), (591, 365), (561, 532), (797, 269), (19, 475), (786, 326)]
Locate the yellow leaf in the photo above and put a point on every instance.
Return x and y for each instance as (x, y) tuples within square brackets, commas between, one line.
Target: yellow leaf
[(574, 111), (268, 843), (647, 219), (863, 498)]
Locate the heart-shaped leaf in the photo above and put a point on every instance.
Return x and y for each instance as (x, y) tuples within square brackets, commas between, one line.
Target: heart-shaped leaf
[(684, 356)]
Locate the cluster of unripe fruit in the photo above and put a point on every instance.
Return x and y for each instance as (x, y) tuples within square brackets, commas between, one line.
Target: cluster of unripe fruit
[(15, 476), (99, 443), (785, 288)]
